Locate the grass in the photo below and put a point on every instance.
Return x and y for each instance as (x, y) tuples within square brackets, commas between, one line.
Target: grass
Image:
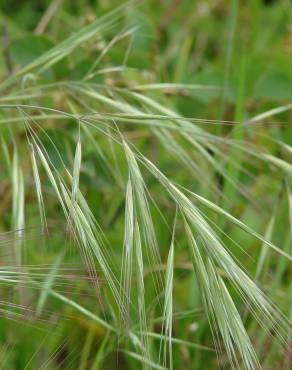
[(145, 185)]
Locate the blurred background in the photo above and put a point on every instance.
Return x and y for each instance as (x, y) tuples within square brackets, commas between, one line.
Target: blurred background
[(239, 53)]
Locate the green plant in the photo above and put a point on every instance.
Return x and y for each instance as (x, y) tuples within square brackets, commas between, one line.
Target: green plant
[(132, 225)]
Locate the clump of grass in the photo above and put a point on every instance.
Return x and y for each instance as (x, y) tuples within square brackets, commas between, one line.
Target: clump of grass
[(85, 168)]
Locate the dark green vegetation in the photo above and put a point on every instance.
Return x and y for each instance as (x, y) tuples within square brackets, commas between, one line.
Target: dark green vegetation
[(145, 184)]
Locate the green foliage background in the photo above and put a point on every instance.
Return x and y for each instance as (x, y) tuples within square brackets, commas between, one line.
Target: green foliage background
[(120, 90)]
